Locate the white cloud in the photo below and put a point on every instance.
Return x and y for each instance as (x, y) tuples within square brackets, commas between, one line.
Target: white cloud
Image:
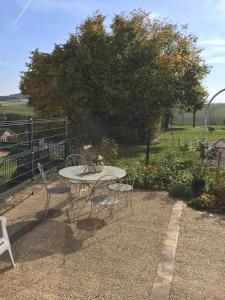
[(214, 50), (220, 7), (5, 63), (213, 42), (216, 60)]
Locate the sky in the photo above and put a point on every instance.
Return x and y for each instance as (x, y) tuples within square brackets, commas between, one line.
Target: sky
[(29, 24)]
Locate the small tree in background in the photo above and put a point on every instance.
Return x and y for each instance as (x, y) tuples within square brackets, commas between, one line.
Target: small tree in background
[(194, 95)]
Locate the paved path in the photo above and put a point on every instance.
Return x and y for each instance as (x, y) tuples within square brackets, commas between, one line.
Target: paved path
[(199, 272)]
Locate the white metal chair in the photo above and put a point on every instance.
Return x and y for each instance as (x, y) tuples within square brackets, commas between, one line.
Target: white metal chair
[(101, 196), (4, 240), (54, 190), (126, 186), (77, 160)]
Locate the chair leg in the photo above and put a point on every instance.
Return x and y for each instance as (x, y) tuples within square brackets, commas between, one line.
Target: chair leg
[(115, 217), (127, 198), (11, 256), (113, 214), (47, 206), (112, 211), (131, 202), (94, 218), (70, 198)]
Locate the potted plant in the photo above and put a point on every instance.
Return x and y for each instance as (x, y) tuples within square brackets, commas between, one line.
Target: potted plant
[(94, 160), (96, 164), (208, 155), (198, 181)]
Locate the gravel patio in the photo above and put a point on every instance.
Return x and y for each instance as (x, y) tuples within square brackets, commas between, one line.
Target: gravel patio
[(59, 259), (62, 260)]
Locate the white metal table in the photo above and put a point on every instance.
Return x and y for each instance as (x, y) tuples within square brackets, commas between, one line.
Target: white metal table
[(78, 173)]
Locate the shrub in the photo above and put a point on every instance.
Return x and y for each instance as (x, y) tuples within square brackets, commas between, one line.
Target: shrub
[(203, 202), (198, 204), (217, 186), (181, 190), (109, 150), (185, 147), (160, 176)]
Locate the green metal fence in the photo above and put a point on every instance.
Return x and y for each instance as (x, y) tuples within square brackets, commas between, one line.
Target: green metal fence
[(23, 143)]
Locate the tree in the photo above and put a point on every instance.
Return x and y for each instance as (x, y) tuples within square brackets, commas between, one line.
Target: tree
[(194, 95), (197, 99), (127, 77), (167, 119)]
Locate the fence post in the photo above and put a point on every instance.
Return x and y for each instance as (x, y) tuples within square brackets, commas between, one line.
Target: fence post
[(31, 146), (66, 139), (218, 167)]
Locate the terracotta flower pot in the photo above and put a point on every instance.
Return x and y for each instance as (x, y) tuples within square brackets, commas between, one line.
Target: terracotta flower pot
[(95, 168)]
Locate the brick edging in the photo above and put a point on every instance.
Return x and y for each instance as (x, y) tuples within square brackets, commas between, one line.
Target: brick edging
[(161, 287)]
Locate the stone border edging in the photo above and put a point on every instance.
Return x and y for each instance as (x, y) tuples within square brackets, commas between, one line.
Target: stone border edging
[(161, 287)]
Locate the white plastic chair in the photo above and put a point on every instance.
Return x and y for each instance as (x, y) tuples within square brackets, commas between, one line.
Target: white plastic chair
[(54, 190), (4, 240)]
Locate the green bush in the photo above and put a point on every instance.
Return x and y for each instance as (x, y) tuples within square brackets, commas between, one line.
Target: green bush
[(198, 203), (181, 190), (161, 176), (108, 149)]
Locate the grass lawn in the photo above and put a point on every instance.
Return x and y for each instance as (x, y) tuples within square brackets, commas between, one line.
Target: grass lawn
[(20, 107), (172, 140)]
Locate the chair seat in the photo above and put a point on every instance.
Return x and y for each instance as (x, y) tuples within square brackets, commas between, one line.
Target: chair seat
[(58, 189), (104, 200), (121, 187)]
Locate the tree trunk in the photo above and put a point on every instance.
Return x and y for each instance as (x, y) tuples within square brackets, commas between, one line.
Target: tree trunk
[(148, 144), (166, 120), (194, 118)]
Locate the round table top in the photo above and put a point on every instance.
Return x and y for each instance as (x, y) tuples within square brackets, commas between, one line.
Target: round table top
[(79, 173)]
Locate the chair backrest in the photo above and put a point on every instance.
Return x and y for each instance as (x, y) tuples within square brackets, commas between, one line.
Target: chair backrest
[(132, 172), (75, 160), (42, 173), (102, 184)]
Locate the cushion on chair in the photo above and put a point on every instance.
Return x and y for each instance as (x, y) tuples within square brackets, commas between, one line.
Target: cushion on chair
[(104, 200), (121, 187), (58, 189)]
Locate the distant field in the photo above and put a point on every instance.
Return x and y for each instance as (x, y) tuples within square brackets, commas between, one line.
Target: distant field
[(20, 107), (216, 116)]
